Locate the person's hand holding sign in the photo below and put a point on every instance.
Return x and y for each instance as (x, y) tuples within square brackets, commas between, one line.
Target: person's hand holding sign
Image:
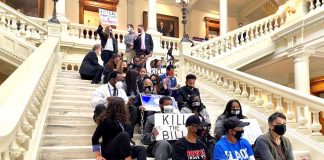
[(155, 132)]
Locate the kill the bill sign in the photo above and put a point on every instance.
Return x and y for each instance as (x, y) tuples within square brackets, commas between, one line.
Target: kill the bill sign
[(108, 17)]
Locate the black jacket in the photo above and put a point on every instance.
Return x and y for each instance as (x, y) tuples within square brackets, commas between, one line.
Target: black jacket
[(89, 63), (104, 38), (148, 43)]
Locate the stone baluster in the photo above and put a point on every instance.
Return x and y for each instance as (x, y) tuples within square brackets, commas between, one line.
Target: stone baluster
[(22, 29), (266, 27), (244, 93), (87, 34), (77, 32), (316, 126), (8, 24), (260, 100), (240, 38), (276, 23), (237, 90), (253, 32), (231, 87), (290, 114), (279, 107), (318, 4), (28, 32), (282, 20), (14, 150), (270, 24), (261, 30), (230, 42), (312, 5), (302, 121), (219, 80), (246, 38), (269, 104), (33, 32), (13, 26), (206, 74), (225, 84), (252, 96), (3, 18)]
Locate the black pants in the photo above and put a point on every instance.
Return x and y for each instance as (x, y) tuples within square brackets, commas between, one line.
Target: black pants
[(96, 78), (119, 148), (133, 118), (105, 56)]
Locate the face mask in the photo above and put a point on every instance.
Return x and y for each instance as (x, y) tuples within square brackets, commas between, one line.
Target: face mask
[(119, 85), (168, 109), (280, 129), (148, 89), (235, 111), (170, 73), (129, 30), (200, 132), (190, 87), (238, 134), (125, 69), (99, 52), (154, 82), (195, 104)]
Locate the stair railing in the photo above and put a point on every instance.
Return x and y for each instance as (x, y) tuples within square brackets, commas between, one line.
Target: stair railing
[(20, 25), (24, 97)]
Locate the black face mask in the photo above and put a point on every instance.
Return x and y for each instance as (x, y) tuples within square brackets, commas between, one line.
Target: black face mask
[(238, 134), (154, 82), (190, 88), (200, 132), (125, 69), (280, 129)]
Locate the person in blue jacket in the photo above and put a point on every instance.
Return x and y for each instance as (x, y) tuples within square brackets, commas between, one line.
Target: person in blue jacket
[(232, 146)]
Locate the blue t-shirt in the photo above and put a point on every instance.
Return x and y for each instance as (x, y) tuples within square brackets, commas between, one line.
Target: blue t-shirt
[(224, 150)]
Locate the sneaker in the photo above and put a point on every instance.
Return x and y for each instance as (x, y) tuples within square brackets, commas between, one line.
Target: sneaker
[(132, 143)]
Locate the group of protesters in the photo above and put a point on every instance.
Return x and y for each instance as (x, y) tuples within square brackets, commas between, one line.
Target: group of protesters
[(118, 109)]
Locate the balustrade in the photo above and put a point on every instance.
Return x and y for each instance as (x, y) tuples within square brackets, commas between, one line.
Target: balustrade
[(169, 42), (269, 97), (316, 4)]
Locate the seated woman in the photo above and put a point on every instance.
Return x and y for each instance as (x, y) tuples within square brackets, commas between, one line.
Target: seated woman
[(233, 108), (90, 69), (112, 128), (111, 66), (195, 106), (156, 83), (274, 145), (122, 67)]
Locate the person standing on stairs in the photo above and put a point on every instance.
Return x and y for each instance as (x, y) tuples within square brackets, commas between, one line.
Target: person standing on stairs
[(185, 92), (129, 42), (108, 43), (161, 150), (190, 147), (90, 69), (274, 145), (143, 42), (233, 108), (232, 146), (115, 140)]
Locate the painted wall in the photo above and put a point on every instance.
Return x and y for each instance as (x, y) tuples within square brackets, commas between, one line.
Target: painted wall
[(195, 24)]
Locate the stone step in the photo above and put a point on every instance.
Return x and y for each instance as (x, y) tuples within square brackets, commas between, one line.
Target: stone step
[(66, 152), (76, 83), (71, 91), (78, 80), (72, 76), (70, 129), (71, 103), (72, 97), (85, 118), (77, 88), (62, 110)]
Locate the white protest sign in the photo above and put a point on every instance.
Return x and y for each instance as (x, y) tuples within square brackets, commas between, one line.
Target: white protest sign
[(252, 131), (108, 17), (170, 126)]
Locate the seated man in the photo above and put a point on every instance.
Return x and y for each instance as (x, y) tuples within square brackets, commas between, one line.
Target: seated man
[(185, 92), (190, 147), (232, 146), (90, 69), (169, 82), (273, 145), (161, 150)]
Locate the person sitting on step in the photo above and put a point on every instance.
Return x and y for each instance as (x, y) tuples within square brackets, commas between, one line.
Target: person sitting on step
[(185, 92), (115, 140), (111, 66), (233, 108), (90, 69), (160, 150)]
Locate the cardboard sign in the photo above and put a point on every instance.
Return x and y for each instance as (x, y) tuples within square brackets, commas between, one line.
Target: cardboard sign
[(108, 17), (252, 131), (170, 126), (151, 102)]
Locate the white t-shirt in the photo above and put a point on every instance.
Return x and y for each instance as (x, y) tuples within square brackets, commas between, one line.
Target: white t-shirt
[(109, 45)]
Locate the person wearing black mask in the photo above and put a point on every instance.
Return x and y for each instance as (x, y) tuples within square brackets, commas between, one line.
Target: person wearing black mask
[(274, 145), (156, 83), (136, 63), (233, 108), (195, 106), (233, 146), (185, 92)]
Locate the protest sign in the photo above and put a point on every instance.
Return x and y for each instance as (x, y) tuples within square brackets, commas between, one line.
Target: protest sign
[(252, 131), (151, 102), (170, 126), (108, 17)]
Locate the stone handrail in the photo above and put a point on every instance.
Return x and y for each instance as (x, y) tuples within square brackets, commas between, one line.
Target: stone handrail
[(23, 97), (234, 40), (261, 94), (20, 25)]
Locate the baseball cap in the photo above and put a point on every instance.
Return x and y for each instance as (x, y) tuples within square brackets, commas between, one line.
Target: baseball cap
[(233, 122), (194, 119)]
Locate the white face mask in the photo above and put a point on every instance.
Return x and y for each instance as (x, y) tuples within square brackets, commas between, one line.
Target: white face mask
[(119, 85), (129, 29), (235, 111), (99, 52)]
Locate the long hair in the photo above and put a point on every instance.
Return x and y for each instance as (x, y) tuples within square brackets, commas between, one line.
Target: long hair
[(200, 108), (117, 110), (131, 79), (227, 111), (111, 65), (120, 66), (107, 32), (157, 77)]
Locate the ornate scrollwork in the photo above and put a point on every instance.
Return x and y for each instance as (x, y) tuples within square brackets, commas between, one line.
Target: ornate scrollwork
[(21, 137), (15, 151)]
